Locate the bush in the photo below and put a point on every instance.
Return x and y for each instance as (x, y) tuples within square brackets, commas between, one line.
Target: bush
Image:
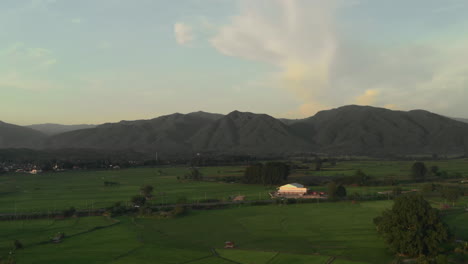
[(209, 200), (17, 244), (138, 200), (179, 210), (69, 212)]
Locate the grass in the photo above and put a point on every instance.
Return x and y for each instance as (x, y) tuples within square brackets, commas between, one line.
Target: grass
[(85, 189), (380, 169), (307, 232), (297, 233), (275, 234)]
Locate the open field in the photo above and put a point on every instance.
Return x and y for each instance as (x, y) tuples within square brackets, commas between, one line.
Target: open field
[(300, 233), (85, 189), (307, 233), (380, 168)]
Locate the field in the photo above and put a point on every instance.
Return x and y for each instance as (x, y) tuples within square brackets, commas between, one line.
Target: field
[(307, 233), (338, 233), (85, 189), (299, 233)]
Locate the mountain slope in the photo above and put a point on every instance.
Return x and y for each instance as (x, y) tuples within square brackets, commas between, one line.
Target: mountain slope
[(370, 130), (248, 133), (54, 129), (13, 136), (166, 134), (464, 120)]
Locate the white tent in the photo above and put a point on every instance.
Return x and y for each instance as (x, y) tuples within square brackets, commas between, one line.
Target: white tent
[(292, 189)]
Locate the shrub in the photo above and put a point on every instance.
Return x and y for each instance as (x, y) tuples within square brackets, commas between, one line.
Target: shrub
[(17, 244)]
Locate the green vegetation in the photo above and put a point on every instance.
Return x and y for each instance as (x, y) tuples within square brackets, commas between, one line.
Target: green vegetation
[(270, 173), (289, 232), (412, 227), (298, 232)]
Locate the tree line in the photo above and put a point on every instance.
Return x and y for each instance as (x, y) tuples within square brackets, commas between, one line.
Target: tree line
[(270, 173)]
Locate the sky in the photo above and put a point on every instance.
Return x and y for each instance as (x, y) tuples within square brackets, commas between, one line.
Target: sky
[(97, 61)]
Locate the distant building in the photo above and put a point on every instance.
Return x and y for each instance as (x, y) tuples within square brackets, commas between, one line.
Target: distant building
[(292, 189), (238, 198), (229, 244)]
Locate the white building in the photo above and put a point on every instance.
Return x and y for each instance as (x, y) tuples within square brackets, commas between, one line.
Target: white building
[(292, 189)]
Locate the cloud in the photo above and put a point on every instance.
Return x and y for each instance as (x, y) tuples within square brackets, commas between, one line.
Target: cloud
[(183, 33), (322, 65), (295, 37), (368, 98)]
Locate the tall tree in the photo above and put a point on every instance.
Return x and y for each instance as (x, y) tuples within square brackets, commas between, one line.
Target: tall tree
[(412, 227), (451, 193), (146, 190), (418, 171), (341, 191), (194, 174), (318, 164)]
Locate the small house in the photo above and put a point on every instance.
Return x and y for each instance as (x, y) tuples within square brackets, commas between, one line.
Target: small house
[(229, 244)]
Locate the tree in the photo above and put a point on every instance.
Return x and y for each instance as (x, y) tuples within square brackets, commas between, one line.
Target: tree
[(341, 191), (269, 174), (194, 174), (146, 190), (418, 171), (17, 244), (318, 164), (435, 170), (361, 177), (138, 200), (450, 193), (412, 227)]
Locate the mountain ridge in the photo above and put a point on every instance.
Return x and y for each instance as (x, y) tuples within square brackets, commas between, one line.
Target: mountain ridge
[(352, 129)]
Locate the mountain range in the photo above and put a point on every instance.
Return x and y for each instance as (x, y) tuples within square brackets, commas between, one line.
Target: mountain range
[(350, 130)]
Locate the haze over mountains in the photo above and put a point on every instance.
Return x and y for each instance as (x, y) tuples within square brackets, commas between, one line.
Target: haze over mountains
[(54, 129), (351, 130)]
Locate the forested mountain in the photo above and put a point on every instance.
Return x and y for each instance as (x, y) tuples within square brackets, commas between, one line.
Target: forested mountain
[(351, 130), (13, 136)]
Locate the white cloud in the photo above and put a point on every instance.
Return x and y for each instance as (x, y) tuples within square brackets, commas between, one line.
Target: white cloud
[(183, 33), (323, 67), (296, 37)]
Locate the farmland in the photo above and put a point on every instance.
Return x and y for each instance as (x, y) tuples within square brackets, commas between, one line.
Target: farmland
[(298, 233), (85, 189), (279, 233)]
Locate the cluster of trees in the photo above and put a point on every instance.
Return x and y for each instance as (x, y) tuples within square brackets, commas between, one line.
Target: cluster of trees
[(449, 192), (412, 227), (194, 174), (336, 191), (359, 178), (419, 172), (111, 183), (270, 173), (146, 193)]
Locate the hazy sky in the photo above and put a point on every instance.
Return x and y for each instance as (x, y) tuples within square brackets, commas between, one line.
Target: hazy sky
[(93, 61)]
